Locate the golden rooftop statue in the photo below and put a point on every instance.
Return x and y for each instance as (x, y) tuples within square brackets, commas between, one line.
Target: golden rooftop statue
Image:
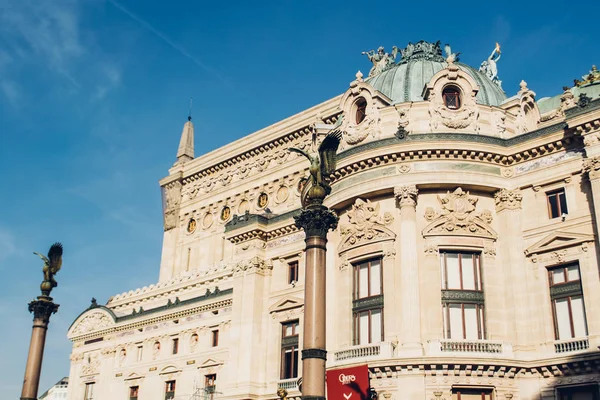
[(52, 265)]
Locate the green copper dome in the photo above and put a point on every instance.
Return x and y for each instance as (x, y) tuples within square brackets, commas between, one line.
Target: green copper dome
[(406, 80)]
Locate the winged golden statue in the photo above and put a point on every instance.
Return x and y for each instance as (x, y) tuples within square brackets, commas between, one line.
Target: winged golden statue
[(322, 164), (52, 264)]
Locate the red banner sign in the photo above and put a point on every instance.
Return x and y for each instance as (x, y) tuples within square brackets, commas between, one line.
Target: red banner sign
[(348, 383)]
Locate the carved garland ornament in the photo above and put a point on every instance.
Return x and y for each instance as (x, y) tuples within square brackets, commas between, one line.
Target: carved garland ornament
[(591, 166), (255, 264)]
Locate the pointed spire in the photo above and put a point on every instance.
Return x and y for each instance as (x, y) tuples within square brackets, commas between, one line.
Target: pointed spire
[(186, 144)]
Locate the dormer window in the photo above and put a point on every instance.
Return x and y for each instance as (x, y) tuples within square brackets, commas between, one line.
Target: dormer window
[(361, 110), (451, 95)]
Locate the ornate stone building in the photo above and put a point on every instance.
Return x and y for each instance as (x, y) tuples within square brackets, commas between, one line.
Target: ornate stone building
[(465, 264)]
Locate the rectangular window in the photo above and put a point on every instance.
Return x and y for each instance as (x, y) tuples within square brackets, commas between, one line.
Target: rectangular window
[(289, 349), (215, 338), (368, 326), (557, 203), (140, 352), (472, 394), (584, 392), (210, 382), (461, 271), (175, 346), (169, 390), (89, 391), (367, 309), (293, 272), (367, 279), (567, 302), (133, 392), (462, 295)]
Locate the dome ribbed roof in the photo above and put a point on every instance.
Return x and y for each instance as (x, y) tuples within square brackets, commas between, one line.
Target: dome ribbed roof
[(406, 80)]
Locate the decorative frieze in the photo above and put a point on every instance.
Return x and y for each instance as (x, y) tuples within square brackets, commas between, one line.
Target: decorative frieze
[(508, 199), (255, 264), (406, 195)]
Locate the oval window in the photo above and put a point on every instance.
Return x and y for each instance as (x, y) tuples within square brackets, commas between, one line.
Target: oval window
[(361, 110), (451, 95)]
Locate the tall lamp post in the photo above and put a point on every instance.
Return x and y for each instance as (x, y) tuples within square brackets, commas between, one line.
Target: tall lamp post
[(42, 309), (316, 220)]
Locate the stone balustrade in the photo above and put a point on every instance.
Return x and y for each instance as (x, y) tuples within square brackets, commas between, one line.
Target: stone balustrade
[(288, 384), (454, 346), (567, 346), (366, 352)]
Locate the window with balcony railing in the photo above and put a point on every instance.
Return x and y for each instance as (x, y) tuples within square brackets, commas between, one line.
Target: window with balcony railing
[(462, 295), (567, 302), (367, 306)]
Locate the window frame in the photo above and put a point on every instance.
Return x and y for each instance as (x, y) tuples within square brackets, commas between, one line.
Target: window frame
[(461, 296), (290, 343), (356, 278), (88, 393), (360, 110), (567, 290), (293, 271), (170, 385), (454, 91), (214, 338), (134, 395), (175, 346), (559, 204), (369, 303)]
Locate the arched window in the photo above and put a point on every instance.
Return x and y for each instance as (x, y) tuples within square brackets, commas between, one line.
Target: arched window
[(451, 95), (361, 110)]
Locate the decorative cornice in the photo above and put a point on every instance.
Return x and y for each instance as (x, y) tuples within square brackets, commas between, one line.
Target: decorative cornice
[(406, 195), (255, 159), (316, 221), (508, 199)]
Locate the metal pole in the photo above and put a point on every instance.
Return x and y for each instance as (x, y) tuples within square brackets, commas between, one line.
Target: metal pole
[(41, 308), (316, 220)]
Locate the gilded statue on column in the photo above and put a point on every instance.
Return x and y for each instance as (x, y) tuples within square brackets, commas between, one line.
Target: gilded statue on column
[(52, 264)]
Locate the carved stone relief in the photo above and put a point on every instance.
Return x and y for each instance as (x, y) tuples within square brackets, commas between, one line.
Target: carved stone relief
[(172, 199), (92, 322), (255, 264), (365, 224), (508, 199), (91, 363), (458, 217)]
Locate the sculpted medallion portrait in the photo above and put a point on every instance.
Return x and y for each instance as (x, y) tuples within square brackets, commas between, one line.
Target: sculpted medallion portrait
[(263, 200), (225, 213), (191, 227)]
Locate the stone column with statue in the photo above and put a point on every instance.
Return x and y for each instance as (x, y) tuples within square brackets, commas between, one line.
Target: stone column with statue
[(316, 220), (42, 309)]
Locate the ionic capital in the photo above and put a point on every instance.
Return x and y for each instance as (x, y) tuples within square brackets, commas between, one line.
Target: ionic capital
[(406, 195), (508, 199), (591, 166)]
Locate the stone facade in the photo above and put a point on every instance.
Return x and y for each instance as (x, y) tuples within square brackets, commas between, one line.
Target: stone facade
[(416, 183)]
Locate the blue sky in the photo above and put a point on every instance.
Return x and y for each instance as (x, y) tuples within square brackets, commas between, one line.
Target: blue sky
[(94, 94)]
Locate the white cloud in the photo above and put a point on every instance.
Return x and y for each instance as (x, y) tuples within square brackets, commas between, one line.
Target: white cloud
[(48, 37)]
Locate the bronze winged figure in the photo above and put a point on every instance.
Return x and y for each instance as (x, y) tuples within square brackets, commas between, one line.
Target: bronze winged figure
[(322, 164), (52, 264)]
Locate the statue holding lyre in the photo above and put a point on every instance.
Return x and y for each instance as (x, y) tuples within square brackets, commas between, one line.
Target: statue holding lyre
[(52, 264)]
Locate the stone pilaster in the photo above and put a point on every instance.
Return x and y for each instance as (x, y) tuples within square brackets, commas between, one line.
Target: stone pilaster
[(508, 208), (410, 338), (591, 167), (316, 222), (42, 309)]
